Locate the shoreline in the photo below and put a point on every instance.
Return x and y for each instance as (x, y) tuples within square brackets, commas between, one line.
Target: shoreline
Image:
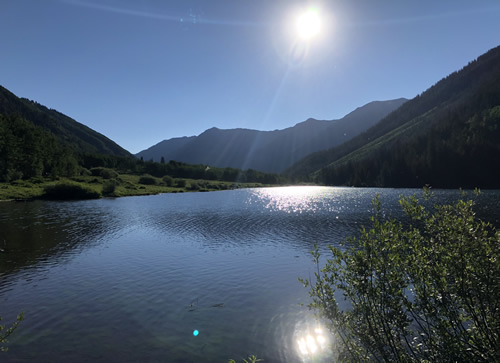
[(125, 185)]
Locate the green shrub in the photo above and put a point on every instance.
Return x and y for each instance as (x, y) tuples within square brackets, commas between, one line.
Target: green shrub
[(68, 191), (85, 172), (426, 290), (181, 183), (36, 180), (168, 180), (147, 180), (105, 173), (194, 186), (109, 187), (13, 175)]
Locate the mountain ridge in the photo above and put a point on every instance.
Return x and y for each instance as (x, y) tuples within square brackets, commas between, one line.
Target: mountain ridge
[(268, 151)]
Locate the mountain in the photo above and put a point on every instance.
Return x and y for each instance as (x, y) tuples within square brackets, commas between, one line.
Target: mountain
[(269, 151), (77, 136), (448, 136)]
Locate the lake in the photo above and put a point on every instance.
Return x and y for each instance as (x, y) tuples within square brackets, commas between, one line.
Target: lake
[(178, 277)]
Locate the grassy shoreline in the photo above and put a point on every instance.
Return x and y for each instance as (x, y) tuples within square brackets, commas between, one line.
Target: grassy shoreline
[(125, 185)]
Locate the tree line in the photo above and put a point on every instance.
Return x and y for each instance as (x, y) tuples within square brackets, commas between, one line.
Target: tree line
[(29, 151)]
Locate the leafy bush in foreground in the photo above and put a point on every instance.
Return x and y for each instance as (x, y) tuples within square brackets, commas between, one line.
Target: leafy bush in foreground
[(8, 331), (68, 191), (428, 290), (251, 359)]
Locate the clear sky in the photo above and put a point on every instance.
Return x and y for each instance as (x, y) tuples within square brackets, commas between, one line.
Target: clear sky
[(144, 71)]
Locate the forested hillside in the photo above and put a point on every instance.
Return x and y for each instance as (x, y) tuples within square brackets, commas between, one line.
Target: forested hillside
[(28, 151), (69, 132), (446, 137)]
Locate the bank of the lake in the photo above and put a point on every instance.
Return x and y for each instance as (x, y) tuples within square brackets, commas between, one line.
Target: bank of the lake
[(124, 185)]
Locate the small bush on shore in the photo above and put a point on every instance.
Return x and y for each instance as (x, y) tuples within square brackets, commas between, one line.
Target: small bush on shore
[(147, 180), (109, 188), (180, 183), (105, 173), (69, 191), (168, 180)]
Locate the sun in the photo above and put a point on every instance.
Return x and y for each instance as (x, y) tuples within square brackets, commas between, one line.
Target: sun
[(308, 24)]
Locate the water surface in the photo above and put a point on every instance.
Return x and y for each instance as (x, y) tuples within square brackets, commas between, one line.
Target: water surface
[(131, 279)]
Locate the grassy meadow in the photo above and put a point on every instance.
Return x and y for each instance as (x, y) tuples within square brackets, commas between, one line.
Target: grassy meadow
[(89, 187)]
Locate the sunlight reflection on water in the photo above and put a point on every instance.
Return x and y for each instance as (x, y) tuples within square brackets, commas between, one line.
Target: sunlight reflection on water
[(313, 342), (296, 199)]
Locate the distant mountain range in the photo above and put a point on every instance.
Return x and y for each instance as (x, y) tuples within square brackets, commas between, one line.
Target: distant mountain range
[(69, 132), (448, 136), (269, 151)]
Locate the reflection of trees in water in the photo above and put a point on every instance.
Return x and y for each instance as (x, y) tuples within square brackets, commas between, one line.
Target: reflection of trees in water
[(37, 232)]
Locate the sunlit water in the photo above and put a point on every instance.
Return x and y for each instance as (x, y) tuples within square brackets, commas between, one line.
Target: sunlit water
[(177, 277)]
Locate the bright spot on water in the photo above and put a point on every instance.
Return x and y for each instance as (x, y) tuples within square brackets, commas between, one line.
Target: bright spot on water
[(293, 200), (311, 344), (195, 333)]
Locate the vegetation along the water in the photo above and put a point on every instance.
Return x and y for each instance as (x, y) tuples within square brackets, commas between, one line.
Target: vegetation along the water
[(425, 289)]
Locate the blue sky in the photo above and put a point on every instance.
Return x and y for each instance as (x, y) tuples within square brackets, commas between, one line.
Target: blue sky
[(144, 71)]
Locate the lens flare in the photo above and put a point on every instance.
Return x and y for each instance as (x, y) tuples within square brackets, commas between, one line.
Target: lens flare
[(195, 333)]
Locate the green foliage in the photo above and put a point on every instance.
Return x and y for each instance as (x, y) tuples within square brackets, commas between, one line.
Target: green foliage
[(8, 331), (109, 187), (426, 290), (180, 183), (194, 186), (29, 151), (69, 191), (147, 180), (168, 180), (105, 173), (251, 359)]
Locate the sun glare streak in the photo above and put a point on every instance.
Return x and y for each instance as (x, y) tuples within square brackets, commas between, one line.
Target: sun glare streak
[(144, 14)]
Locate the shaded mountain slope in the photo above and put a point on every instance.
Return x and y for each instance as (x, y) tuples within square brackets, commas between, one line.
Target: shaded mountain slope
[(269, 151), (447, 136), (77, 136)]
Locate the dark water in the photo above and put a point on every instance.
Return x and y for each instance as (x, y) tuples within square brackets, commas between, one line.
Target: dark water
[(131, 279)]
